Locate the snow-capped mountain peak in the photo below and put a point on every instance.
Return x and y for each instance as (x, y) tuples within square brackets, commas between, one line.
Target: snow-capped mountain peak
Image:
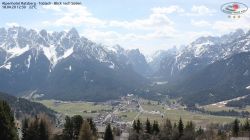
[(55, 46), (204, 51), (60, 63)]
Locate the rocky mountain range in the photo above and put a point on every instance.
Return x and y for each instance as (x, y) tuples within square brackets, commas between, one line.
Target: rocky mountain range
[(210, 69), (202, 52), (66, 66)]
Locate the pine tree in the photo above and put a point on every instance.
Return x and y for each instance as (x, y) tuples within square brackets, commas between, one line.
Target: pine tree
[(108, 133), (175, 125), (25, 126), (134, 126), (190, 126), (92, 126), (156, 128), (117, 131), (221, 135), (7, 125), (38, 129), (77, 121), (180, 127), (200, 131), (33, 129), (138, 126), (148, 127), (43, 130), (200, 134), (168, 125), (68, 129), (85, 132), (166, 131), (134, 135), (236, 128), (246, 126), (189, 131)]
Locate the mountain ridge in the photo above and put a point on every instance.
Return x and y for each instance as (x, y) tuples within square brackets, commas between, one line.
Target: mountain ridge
[(66, 66), (40, 61)]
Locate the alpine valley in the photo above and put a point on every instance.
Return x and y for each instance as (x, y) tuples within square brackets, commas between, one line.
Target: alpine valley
[(66, 66)]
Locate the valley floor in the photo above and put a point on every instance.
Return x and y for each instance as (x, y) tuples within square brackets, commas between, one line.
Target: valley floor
[(125, 110)]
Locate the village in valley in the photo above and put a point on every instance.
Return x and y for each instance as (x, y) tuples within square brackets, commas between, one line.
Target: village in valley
[(119, 113), (122, 112)]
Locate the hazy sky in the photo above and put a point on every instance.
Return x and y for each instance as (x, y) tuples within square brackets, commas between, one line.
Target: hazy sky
[(145, 24)]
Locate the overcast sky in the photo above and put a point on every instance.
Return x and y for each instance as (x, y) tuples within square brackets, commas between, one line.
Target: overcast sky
[(149, 25)]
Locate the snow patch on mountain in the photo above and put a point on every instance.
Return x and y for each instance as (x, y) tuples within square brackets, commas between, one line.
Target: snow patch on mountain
[(17, 51), (117, 49), (112, 65), (200, 49), (27, 62), (246, 73), (112, 49), (6, 66), (68, 52), (51, 54)]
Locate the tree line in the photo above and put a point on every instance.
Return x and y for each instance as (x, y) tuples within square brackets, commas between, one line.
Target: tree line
[(75, 128), (179, 131)]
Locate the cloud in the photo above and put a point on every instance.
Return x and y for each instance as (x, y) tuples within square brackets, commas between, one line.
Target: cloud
[(146, 42), (158, 19), (200, 23), (201, 10), (104, 37), (228, 26), (112, 37), (81, 16), (167, 10), (12, 24), (191, 35), (224, 26), (75, 15), (156, 26), (154, 21)]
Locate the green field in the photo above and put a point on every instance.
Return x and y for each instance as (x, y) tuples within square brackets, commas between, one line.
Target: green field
[(153, 107), (76, 108), (221, 108), (199, 119), (85, 108), (175, 114), (128, 116)]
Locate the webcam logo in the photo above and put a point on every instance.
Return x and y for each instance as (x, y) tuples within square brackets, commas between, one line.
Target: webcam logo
[(234, 9)]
